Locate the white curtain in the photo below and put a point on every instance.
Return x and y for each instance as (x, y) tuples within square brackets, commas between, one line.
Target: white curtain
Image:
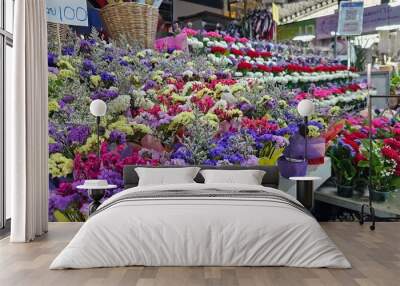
[(26, 124)]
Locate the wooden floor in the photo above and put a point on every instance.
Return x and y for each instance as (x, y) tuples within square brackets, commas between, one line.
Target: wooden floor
[(375, 257)]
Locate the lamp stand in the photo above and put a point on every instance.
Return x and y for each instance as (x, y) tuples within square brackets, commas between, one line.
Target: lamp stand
[(98, 136), (305, 138)]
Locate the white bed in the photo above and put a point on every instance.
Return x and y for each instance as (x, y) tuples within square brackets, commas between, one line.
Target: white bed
[(259, 226)]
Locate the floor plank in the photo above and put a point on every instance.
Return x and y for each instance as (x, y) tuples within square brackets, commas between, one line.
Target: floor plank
[(375, 257)]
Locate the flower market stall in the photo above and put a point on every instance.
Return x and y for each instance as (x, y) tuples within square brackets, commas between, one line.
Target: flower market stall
[(222, 101)]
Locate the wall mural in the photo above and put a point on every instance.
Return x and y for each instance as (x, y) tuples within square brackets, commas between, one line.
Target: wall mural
[(225, 101)]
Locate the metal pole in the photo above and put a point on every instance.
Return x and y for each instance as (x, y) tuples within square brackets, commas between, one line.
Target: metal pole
[(371, 208), (370, 148), (370, 155), (335, 46), (348, 53), (98, 136), (305, 138)]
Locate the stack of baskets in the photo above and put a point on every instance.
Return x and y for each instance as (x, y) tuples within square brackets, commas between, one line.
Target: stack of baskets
[(131, 21)]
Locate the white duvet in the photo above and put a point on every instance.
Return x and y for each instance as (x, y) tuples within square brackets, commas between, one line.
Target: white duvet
[(200, 231)]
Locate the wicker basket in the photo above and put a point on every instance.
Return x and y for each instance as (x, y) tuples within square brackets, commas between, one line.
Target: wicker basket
[(131, 21), (58, 34)]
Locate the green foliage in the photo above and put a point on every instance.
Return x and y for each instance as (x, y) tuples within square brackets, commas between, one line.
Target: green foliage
[(360, 57), (395, 83), (378, 167), (343, 164)]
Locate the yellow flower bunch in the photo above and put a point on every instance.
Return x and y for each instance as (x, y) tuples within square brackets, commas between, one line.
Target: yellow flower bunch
[(166, 90), (157, 78), (135, 80), (237, 87), (204, 91), (59, 165), (122, 125), (177, 53), (65, 64), (172, 79), (140, 128), (267, 116), (154, 60), (53, 106), (90, 145), (141, 54), (264, 99), (335, 110), (182, 119), (178, 98), (313, 131), (152, 92), (211, 119), (52, 77), (282, 122), (128, 59), (282, 104), (320, 120), (187, 88), (65, 74), (221, 88), (234, 113), (95, 80), (243, 99), (213, 77)]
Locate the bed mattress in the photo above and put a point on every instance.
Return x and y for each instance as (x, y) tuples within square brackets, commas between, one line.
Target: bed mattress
[(201, 225)]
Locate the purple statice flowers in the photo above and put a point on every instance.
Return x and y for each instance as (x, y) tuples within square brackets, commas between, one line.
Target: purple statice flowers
[(78, 134), (85, 46), (52, 59), (108, 78), (104, 94), (117, 137), (68, 51)]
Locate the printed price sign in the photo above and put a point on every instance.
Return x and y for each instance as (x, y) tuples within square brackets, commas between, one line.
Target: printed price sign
[(350, 18), (69, 12)]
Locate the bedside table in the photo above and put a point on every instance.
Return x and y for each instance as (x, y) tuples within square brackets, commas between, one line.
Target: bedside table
[(96, 193), (304, 190)]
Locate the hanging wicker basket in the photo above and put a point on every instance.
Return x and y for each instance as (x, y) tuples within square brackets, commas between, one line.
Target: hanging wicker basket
[(132, 21), (58, 34)]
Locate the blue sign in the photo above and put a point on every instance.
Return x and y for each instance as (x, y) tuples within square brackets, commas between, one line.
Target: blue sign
[(350, 18), (69, 12)]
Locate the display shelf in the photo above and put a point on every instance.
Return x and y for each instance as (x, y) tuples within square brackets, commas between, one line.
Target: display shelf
[(387, 209)]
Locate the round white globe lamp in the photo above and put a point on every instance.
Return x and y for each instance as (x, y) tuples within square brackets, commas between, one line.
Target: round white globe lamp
[(98, 108), (306, 108)]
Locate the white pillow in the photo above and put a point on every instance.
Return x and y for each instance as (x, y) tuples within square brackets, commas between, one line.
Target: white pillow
[(166, 176), (248, 177)]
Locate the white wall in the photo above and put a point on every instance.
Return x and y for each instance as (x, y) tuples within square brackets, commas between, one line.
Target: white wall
[(182, 8)]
